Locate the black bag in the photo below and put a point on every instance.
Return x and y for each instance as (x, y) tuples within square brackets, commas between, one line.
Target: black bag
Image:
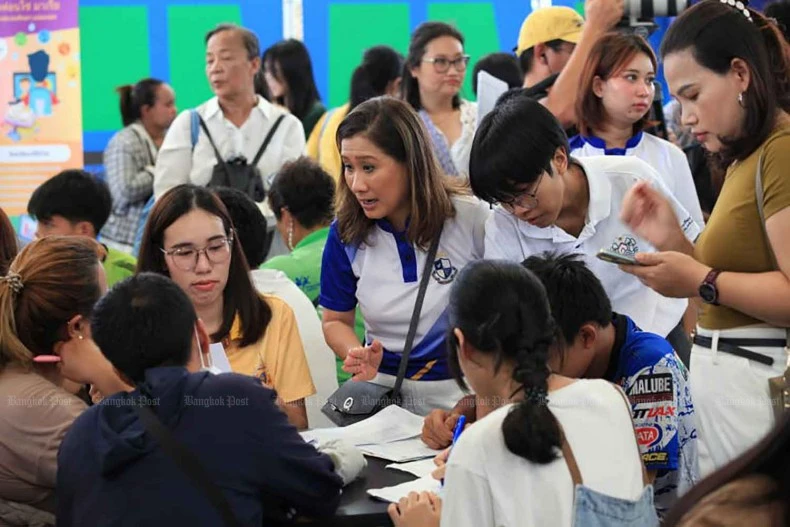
[(237, 173), (357, 400)]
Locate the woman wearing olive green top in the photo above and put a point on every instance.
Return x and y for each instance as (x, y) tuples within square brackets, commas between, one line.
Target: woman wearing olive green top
[(302, 198)]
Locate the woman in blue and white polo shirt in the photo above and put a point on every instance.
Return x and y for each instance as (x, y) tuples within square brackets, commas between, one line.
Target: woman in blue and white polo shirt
[(392, 203), (617, 89)]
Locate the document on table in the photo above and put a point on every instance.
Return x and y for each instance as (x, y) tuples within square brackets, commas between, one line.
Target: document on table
[(400, 451), (393, 423), (422, 468), (394, 494)]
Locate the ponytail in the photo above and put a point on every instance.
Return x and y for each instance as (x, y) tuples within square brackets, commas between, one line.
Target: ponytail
[(11, 348), (380, 66), (778, 58), (134, 97), (530, 429), (129, 113), (516, 329)]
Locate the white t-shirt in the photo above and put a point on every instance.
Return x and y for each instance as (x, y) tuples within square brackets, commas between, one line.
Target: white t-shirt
[(487, 485), (320, 358), (609, 178), (667, 159), (177, 163)]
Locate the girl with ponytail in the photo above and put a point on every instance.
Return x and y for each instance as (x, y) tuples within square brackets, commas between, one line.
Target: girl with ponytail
[(514, 466), (147, 110), (378, 74), (729, 68)]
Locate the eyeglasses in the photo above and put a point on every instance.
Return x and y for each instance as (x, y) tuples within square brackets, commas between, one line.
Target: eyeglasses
[(527, 201), (186, 258), (442, 64)]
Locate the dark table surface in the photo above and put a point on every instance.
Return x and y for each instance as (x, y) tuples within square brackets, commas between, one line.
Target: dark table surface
[(357, 508)]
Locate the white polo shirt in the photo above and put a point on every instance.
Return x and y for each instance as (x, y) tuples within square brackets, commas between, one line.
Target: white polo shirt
[(609, 178), (177, 163), (383, 276), (667, 159)]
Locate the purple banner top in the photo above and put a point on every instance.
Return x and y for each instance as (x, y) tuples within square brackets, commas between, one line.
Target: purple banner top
[(16, 16)]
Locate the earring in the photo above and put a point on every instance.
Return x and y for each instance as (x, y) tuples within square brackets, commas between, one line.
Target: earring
[(740, 100), (291, 236), (80, 337)]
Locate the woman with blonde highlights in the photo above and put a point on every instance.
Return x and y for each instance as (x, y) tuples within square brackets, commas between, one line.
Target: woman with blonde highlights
[(392, 204)]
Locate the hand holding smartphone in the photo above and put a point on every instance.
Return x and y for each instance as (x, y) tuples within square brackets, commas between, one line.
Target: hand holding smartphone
[(616, 258)]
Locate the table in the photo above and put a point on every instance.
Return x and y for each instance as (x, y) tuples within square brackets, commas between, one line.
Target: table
[(357, 509)]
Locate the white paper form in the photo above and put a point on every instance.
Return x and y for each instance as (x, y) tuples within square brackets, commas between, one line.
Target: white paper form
[(489, 88), (422, 468), (400, 451), (393, 423), (394, 494)]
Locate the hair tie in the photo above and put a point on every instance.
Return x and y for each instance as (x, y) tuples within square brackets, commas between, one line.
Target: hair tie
[(740, 6), (536, 395), (14, 281)]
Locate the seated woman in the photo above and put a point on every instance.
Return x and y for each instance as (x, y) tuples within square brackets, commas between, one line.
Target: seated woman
[(394, 204), (302, 199), (45, 300), (189, 237), (500, 345)]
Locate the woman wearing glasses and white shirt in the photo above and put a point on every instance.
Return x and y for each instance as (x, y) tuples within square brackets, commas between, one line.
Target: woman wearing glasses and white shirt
[(189, 237), (237, 118), (550, 201), (432, 79)]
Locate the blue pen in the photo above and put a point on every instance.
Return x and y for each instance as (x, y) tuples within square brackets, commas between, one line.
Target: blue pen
[(459, 427)]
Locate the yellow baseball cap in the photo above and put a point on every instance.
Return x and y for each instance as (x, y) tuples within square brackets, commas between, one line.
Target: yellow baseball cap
[(549, 23)]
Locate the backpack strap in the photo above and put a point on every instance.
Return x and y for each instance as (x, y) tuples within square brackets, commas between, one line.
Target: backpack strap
[(267, 140), (194, 127), (220, 159)]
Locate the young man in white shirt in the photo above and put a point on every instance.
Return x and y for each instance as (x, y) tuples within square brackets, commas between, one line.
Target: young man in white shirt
[(549, 201)]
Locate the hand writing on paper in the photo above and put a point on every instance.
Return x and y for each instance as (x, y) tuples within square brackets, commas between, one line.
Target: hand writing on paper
[(438, 427), (416, 510), (364, 362)]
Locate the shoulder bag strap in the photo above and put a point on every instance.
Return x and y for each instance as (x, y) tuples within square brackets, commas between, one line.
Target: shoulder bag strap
[(620, 391), (267, 140), (188, 463), (415, 315), (759, 194)]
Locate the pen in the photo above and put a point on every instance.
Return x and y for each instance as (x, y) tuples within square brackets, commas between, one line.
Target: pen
[(459, 427)]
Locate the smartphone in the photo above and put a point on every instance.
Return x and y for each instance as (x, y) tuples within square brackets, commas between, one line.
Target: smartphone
[(616, 258)]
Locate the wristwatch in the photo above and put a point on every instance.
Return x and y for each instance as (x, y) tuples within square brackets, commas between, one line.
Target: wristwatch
[(708, 291)]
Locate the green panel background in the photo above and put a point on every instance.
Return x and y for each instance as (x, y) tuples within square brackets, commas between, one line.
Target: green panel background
[(356, 27), (112, 54), (477, 23), (187, 26)]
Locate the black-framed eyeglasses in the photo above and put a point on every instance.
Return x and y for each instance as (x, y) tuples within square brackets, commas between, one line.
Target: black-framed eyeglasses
[(442, 64), (527, 201), (186, 257)]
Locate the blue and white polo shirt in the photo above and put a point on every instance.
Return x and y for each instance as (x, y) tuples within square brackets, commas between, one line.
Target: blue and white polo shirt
[(383, 276), (656, 382), (667, 159)]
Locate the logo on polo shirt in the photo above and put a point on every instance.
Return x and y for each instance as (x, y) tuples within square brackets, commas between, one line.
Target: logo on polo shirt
[(625, 245), (443, 270)]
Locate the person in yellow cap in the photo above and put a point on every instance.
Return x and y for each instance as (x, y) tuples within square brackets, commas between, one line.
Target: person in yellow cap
[(553, 46)]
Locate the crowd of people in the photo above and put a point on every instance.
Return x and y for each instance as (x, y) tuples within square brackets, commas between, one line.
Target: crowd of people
[(177, 322)]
